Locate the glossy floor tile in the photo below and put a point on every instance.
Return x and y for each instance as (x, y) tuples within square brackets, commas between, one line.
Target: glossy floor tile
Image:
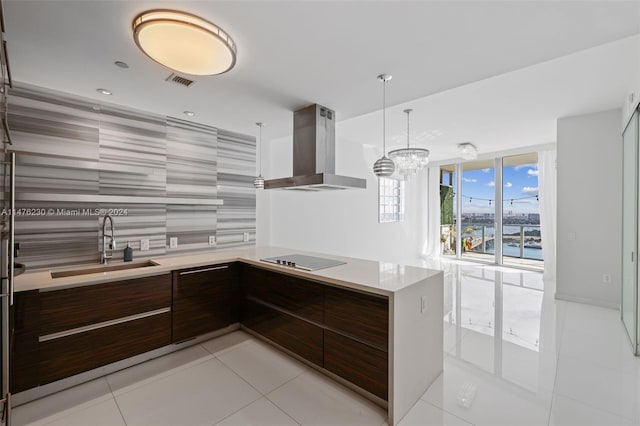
[(133, 377), (249, 361), (313, 399), (211, 387), (259, 413), (102, 414), (513, 356), (424, 414), (62, 404)]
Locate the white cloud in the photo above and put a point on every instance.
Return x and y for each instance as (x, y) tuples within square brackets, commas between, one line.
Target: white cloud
[(492, 183), (522, 166), (530, 190), (486, 170), (533, 172), (508, 185), (469, 180)]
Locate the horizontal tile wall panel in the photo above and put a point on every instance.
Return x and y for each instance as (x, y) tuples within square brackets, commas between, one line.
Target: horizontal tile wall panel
[(134, 222), (57, 234), (67, 150), (191, 160), (192, 225), (133, 139), (59, 126), (236, 171)]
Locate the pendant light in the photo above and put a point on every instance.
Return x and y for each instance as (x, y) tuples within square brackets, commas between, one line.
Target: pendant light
[(258, 182), (384, 167), (409, 160)]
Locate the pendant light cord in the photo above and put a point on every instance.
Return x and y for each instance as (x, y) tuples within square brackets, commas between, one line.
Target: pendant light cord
[(260, 125), (260, 154), (408, 112), (384, 117)]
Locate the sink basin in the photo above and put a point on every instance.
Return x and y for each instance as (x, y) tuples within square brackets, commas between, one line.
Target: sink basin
[(105, 268)]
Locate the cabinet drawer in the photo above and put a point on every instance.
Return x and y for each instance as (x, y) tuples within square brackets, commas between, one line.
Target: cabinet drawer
[(300, 337), (204, 300), (296, 295), (81, 306), (66, 356), (360, 315), (210, 273), (358, 363)]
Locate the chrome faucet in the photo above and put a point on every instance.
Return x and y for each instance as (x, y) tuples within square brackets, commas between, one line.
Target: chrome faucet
[(112, 240)]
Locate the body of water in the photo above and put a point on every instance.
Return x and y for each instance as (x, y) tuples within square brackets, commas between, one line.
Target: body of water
[(507, 249)]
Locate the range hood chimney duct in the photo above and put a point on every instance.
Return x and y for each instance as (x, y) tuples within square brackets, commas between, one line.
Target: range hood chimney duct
[(314, 154)]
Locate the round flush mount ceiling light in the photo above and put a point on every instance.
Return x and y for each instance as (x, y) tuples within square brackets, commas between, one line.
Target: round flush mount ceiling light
[(184, 43), (104, 91), (189, 113)]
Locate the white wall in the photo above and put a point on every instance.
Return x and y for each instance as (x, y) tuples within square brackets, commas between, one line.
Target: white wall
[(589, 208), (633, 94), (342, 222)]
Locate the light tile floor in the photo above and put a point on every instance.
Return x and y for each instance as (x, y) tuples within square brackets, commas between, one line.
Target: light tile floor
[(513, 356)]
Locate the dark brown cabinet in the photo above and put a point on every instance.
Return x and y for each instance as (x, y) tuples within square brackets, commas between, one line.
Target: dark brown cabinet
[(60, 333), (56, 334), (298, 296), (357, 362), (23, 342), (297, 335), (285, 309), (343, 331), (83, 328), (363, 316), (205, 299)]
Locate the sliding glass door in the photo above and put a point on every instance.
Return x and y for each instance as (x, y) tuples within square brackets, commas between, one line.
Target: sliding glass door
[(478, 211), (521, 237), (476, 196)]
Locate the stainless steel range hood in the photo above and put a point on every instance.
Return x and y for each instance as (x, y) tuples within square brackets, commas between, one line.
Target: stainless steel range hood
[(314, 154)]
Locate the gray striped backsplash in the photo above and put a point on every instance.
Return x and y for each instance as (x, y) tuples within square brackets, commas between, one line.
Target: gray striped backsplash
[(66, 147)]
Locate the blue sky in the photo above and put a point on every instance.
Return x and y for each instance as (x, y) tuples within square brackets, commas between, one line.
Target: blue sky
[(519, 181)]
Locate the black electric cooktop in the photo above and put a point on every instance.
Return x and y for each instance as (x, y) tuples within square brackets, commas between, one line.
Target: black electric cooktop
[(300, 261)]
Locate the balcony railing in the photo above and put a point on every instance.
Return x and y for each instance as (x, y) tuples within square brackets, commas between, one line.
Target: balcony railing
[(518, 240)]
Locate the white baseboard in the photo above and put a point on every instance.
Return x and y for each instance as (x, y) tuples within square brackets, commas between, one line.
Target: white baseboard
[(587, 301)]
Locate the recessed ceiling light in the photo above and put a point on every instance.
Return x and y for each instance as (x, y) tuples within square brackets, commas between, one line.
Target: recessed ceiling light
[(121, 64), (189, 113), (183, 42), (104, 91)]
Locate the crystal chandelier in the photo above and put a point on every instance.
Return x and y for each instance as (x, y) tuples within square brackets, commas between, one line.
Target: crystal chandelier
[(409, 161), (383, 167), (258, 182)]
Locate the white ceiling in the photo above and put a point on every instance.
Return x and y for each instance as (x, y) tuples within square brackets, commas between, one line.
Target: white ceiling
[(291, 54), (510, 111)]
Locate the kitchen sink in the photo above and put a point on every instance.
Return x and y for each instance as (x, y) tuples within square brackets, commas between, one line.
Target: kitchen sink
[(105, 268)]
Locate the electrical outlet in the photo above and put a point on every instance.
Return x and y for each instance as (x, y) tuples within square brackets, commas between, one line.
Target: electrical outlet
[(606, 278), (423, 304), (212, 240), (245, 237), (173, 242), (144, 244)]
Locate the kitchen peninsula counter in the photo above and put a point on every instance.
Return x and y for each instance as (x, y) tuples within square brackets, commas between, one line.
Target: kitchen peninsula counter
[(412, 344)]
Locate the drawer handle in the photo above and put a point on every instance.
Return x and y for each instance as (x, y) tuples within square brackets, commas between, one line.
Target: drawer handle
[(96, 326), (216, 268)]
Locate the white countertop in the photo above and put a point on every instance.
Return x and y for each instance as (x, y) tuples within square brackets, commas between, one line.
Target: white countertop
[(371, 276)]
